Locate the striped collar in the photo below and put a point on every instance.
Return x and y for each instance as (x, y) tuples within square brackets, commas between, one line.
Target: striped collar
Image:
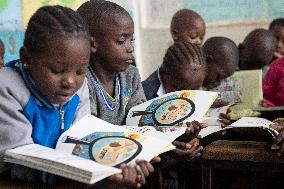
[(103, 93)]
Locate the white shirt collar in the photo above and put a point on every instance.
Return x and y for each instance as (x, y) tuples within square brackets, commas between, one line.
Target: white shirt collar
[(161, 91)]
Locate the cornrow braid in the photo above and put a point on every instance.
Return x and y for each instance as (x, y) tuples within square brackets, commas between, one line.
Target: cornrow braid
[(183, 53), (53, 22)]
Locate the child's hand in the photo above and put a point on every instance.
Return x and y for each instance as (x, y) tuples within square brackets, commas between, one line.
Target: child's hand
[(155, 160), (194, 127), (219, 103), (225, 120), (192, 131), (187, 150), (144, 169), (128, 178)]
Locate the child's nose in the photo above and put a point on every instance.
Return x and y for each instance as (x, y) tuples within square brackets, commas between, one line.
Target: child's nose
[(130, 47), (68, 81)]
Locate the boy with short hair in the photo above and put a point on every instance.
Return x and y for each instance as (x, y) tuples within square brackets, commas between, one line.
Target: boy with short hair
[(114, 84), (222, 60), (256, 51), (277, 28), (188, 26)]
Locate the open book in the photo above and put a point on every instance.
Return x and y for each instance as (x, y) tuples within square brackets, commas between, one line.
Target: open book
[(244, 89), (89, 151), (171, 111), (244, 122)]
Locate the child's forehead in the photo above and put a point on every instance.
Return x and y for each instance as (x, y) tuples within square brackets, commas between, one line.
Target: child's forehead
[(117, 22)]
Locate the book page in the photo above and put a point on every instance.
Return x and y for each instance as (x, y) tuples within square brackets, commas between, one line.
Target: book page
[(172, 110), (212, 116), (108, 144), (60, 163), (250, 96), (252, 122)]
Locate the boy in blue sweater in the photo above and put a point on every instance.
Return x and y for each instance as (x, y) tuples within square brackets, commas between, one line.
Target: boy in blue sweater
[(46, 91)]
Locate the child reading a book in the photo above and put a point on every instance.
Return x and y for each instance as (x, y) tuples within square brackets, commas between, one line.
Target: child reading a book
[(114, 84), (222, 60), (45, 91), (256, 51), (183, 68), (188, 26), (277, 28), (2, 52)]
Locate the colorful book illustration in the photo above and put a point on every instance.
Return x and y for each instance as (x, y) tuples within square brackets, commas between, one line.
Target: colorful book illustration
[(172, 111), (89, 151)]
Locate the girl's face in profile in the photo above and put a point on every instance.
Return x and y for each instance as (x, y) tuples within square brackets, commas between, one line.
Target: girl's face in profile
[(60, 71)]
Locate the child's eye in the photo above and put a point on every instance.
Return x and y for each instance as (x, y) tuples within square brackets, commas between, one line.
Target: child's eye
[(56, 71), (121, 40)]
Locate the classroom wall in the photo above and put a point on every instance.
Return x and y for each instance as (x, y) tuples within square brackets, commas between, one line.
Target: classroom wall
[(15, 14), (233, 19)]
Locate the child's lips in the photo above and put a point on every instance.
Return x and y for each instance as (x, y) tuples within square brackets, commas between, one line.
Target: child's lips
[(130, 61)]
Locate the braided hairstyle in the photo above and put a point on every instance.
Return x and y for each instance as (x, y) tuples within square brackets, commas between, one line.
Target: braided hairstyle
[(183, 53), (183, 67), (51, 23), (99, 13)]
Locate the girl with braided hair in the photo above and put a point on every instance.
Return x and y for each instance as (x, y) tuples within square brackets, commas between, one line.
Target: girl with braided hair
[(47, 85), (183, 68)]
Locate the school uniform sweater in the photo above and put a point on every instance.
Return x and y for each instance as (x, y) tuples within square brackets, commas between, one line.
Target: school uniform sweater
[(128, 93), (27, 117)]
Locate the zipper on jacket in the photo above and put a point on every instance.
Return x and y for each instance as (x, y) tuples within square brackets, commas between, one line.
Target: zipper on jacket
[(61, 118)]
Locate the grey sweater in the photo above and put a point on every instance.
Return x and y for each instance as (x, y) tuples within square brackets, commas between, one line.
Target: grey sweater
[(15, 128), (129, 94)]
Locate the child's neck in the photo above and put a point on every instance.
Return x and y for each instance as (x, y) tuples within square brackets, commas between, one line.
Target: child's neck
[(106, 78)]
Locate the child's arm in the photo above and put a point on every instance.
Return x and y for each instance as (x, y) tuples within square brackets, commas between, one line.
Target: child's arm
[(15, 128), (84, 106)]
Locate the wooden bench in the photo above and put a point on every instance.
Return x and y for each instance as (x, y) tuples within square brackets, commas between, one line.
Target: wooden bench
[(238, 155)]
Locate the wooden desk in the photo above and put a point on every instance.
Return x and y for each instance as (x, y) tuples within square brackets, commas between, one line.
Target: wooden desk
[(238, 155), (6, 184)]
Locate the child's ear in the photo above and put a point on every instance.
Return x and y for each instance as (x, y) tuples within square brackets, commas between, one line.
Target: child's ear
[(174, 35), (94, 45), (25, 56)]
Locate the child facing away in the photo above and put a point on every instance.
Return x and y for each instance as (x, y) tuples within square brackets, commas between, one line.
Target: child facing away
[(222, 60), (114, 84), (2, 52), (277, 28), (188, 26), (256, 51), (47, 85)]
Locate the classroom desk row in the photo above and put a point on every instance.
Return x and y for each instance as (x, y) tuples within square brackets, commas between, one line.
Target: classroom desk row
[(221, 154)]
